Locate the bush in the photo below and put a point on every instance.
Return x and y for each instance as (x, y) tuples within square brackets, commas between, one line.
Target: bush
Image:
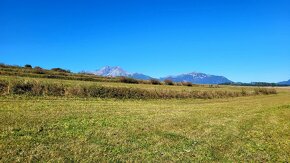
[(76, 91), (27, 66), (128, 80), (155, 81), (61, 70), (54, 90), (189, 84), (168, 82), (265, 91), (144, 82), (38, 89), (39, 70), (22, 88)]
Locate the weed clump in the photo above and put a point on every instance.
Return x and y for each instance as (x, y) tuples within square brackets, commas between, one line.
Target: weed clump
[(244, 92)]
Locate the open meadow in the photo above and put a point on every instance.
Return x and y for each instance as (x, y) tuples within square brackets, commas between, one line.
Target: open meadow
[(248, 127), (157, 81)]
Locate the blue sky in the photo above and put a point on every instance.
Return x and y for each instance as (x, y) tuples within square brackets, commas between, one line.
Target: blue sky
[(244, 40)]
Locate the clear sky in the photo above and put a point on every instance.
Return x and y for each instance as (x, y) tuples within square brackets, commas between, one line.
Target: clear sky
[(244, 40)]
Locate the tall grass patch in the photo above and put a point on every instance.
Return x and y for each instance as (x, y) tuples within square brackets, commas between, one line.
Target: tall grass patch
[(40, 88)]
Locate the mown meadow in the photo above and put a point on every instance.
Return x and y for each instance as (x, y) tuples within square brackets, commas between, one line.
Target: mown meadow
[(67, 120), (77, 129)]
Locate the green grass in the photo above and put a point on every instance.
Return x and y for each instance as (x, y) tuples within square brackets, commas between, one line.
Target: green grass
[(60, 129)]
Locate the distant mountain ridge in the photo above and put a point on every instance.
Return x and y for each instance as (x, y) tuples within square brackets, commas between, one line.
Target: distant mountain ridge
[(198, 78), (111, 71), (194, 77), (284, 82), (115, 71)]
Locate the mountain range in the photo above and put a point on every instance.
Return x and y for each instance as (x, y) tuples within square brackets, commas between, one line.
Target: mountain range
[(193, 77), (198, 78), (114, 71), (285, 82)]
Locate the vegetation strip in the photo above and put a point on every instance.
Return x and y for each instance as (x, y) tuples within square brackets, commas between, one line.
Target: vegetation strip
[(39, 88)]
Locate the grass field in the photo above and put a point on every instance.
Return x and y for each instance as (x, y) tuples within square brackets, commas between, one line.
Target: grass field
[(61, 129)]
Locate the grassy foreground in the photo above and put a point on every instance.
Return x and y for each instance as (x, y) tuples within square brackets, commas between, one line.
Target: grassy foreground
[(254, 128)]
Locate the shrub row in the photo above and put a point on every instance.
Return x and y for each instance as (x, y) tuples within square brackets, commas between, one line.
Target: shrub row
[(36, 88), (265, 91)]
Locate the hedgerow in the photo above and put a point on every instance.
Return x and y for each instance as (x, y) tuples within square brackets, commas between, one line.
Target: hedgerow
[(37, 88)]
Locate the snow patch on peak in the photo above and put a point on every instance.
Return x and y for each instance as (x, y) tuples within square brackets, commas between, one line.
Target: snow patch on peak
[(198, 75), (111, 71), (115, 71)]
